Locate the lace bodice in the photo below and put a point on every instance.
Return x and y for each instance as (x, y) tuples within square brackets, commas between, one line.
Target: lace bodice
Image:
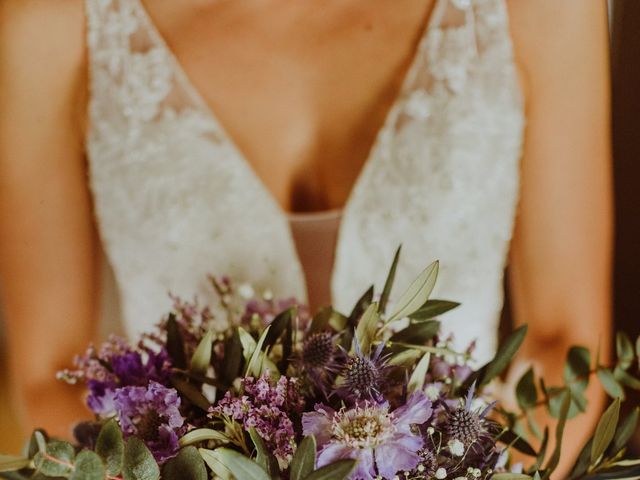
[(175, 199)]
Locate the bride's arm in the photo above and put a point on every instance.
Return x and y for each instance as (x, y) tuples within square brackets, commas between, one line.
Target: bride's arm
[(47, 241), (560, 262)]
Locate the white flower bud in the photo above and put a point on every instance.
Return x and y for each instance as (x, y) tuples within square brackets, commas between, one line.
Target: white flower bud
[(441, 473)]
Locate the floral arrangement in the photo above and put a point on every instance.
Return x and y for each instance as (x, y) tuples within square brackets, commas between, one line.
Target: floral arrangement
[(280, 394)]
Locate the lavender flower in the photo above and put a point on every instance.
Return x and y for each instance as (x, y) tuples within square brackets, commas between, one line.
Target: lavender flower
[(267, 408), (153, 414), (382, 442)]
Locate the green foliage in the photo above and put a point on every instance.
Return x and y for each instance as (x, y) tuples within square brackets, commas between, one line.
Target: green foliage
[(187, 465), (88, 466), (304, 460), (110, 447), (202, 356), (417, 293), (339, 470), (139, 464)]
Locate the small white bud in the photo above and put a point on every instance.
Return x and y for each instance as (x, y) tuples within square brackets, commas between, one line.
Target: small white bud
[(441, 473), (246, 291), (456, 447)]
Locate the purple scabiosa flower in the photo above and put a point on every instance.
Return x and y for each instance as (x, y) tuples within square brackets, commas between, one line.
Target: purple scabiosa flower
[(364, 375), (269, 409), (383, 442), (152, 414)]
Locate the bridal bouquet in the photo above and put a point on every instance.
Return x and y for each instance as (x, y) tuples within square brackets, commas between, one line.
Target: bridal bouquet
[(280, 394)]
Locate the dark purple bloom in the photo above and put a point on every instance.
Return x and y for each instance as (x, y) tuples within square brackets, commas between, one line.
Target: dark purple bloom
[(101, 398), (151, 413), (364, 375), (382, 442)]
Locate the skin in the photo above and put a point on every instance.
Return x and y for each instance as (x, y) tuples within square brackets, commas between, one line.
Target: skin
[(306, 133)]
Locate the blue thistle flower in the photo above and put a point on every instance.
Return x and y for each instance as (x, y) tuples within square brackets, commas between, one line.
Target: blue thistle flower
[(364, 376)]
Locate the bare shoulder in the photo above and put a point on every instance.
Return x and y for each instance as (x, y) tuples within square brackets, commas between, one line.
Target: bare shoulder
[(42, 45), (552, 36)]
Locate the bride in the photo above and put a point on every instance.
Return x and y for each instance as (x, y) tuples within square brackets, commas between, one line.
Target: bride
[(295, 145)]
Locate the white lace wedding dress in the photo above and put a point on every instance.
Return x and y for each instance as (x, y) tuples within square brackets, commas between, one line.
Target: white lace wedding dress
[(175, 199)]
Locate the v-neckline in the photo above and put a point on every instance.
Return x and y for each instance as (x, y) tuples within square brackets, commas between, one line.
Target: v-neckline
[(433, 19)]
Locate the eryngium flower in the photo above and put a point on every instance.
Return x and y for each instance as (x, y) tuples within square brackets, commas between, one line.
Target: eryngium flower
[(320, 360), (364, 375), (466, 425), (382, 442), (152, 414)]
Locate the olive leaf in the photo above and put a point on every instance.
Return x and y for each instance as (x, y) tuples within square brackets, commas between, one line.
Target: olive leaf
[(605, 431), (417, 293), (526, 392), (339, 470), (388, 284), (202, 356), (304, 460), (240, 466)]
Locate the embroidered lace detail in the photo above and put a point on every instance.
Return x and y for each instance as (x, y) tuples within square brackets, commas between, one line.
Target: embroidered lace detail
[(175, 200)]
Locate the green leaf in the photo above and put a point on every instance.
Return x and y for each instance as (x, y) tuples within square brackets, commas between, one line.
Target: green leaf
[(110, 447), (605, 431), (417, 333), (503, 358), (352, 322), (279, 325), (175, 343), (240, 466), (577, 368), (582, 463), (212, 459), (416, 381), (325, 319), (509, 437), (203, 435), (187, 465), (367, 326), (202, 356), (191, 392), (232, 364), (609, 383), (304, 460), (542, 453), (264, 457), (88, 466), (624, 350), (254, 365), (339, 470), (625, 431), (9, 463), (555, 456), (139, 464), (626, 379), (388, 284), (526, 392), (417, 293), (432, 309), (56, 460)]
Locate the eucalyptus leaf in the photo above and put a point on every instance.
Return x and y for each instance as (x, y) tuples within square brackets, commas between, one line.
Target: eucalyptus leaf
[(56, 460), (202, 356), (88, 466), (605, 431), (609, 383), (187, 465), (526, 392), (203, 435), (577, 368), (110, 447), (432, 309), (624, 350), (9, 463), (139, 463), (304, 460), (388, 284), (339, 470), (240, 466), (417, 293)]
